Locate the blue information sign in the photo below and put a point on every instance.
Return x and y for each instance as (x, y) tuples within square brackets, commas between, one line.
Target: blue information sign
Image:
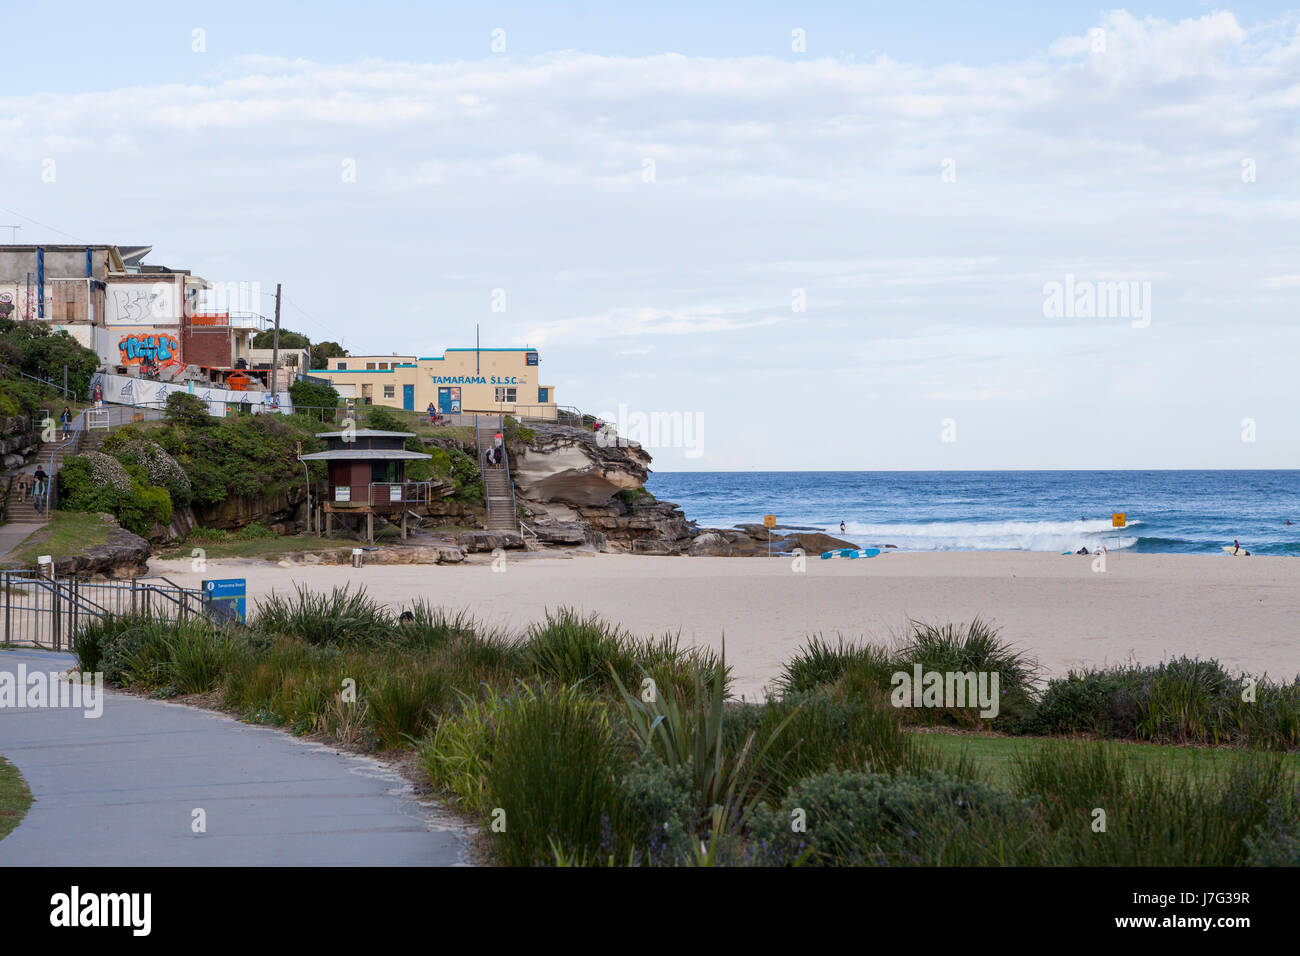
[(226, 597)]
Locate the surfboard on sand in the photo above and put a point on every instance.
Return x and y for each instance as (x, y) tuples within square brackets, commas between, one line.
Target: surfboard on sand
[(852, 553), (1236, 552)]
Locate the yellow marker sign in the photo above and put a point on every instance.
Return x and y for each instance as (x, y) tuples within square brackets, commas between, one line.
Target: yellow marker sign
[(1118, 520), (769, 521)]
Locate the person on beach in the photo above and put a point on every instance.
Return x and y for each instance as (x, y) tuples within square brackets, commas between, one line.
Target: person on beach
[(433, 414), (66, 418), (842, 528)]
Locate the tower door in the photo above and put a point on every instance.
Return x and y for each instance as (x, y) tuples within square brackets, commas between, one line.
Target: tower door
[(408, 397)]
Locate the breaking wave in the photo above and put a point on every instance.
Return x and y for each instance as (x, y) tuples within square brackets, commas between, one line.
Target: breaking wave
[(991, 535)]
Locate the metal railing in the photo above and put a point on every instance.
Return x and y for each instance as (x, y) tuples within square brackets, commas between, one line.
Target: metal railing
[(380, 493), (47, 612)]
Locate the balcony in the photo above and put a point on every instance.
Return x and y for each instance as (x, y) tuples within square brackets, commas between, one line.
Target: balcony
[(234, 320)]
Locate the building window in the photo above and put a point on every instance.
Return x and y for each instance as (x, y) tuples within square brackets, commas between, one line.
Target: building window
[(383, 365), (505, 394), (370, 366), (543, 396), (388, 391), (342, 366)]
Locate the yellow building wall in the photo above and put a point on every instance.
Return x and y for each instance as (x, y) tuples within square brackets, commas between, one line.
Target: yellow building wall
[(477, 373)]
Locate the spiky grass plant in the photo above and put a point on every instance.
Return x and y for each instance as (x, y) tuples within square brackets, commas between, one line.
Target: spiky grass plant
[(343, 616)]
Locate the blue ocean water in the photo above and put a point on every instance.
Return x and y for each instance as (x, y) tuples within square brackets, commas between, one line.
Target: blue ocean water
[(1192, 512)]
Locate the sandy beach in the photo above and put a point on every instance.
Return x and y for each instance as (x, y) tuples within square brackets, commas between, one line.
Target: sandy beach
[(1144, 607)]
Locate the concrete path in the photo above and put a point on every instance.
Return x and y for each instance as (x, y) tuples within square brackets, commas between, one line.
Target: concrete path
[(12, 535), (121, 789)]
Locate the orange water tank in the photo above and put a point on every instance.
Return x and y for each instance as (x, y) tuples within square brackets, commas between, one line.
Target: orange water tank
[(237, 382)]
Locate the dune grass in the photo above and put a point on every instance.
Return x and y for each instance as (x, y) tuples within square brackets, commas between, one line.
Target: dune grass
[(578, 743), (15, 798)]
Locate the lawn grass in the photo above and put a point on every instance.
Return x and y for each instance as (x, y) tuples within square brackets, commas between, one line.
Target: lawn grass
[(268, 548), (994, 756), (68, 533), (15, 798)]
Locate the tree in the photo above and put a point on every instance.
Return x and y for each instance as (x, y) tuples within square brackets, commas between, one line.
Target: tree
[(43, 354), (187, 409), (288, 340), (306, 394), (321, 352)]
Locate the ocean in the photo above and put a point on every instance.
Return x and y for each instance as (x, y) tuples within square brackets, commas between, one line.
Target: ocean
[(1183, 512)]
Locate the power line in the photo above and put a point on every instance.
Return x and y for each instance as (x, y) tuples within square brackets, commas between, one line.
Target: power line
[(14, 212)]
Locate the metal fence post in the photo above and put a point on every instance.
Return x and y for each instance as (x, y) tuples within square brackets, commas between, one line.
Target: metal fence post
[(56, 610), (8, 603)]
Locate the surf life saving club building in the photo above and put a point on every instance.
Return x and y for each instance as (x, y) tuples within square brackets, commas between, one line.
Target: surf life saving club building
[(460, 380)]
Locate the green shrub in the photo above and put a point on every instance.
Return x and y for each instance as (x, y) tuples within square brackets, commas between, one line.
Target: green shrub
[(1154, 816), (692, 730), (1183, 700), (819, 662), (186, 409), (403, 699), (458, 752), (199, 653), (385, 419), (315, 395), (569, 647), (554, 774), (973, 647), (849, 818), (343, 616), (824, 731), (659, 807)]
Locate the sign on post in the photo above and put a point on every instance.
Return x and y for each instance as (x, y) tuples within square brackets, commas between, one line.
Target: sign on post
[(226, 598), (1118, 519), (769, 521)]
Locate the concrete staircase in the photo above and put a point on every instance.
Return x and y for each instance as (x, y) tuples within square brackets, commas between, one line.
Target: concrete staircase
[(24, 512), (496, 480)]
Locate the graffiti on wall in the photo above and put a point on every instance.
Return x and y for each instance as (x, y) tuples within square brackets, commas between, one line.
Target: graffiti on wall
[(141, 304), (160, 350)]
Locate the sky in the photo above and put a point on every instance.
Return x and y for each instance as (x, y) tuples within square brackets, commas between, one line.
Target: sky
[(856, 236)]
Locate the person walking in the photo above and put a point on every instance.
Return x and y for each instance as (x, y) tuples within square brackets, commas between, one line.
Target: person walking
[(498, 448), (98, 395), (842, 528), (433, 414), (66, 418), (40, 488)]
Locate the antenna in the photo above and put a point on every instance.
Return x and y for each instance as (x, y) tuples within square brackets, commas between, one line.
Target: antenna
[(14, 237)]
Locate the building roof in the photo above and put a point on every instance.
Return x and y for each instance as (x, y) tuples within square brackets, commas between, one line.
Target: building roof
[(366, 454), (366, 433)]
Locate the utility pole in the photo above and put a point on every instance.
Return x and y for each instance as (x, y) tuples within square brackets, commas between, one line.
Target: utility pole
[(275, 343), (14, 237)]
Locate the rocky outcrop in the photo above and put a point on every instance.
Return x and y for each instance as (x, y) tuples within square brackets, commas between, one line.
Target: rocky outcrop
[(122, 555), (575, 466), (477, 541), (398, 554), (752, 541), (18, 440), (283, 507)]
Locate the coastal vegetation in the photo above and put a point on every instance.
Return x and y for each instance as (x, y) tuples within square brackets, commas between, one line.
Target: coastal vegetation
[(31, 348), (577, 743)]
